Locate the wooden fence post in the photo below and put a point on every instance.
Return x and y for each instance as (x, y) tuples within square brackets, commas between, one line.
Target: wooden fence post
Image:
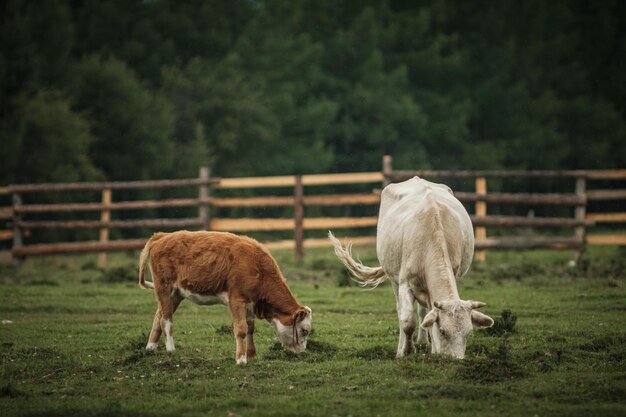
[(298, 213), (481, 211), (387, 169), (580, 213), (17, 230), (105, 216), (203, 195)]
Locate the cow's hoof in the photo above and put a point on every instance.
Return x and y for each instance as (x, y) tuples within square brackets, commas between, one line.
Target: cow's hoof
[(152, 346), (242, 360)]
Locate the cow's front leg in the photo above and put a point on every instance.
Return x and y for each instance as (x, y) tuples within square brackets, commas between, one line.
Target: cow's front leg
[(435, 341), (240, 329), (422, 335), (406, 317), (250, 348)]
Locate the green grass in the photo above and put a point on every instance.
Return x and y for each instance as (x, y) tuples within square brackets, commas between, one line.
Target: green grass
[(76, 345)]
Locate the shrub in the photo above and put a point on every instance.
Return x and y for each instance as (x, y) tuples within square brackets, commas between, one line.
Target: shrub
[(495, 367), (503, 325)]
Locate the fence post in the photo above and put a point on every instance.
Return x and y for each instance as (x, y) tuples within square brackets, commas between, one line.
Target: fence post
[(17, 230), (481, 211), (298, 213), (203, 195), (105, 216), (387, 169), (580, 213)]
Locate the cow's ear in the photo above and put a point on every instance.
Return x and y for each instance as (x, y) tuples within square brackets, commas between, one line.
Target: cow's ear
[(430, 319), (300, 315), (481, 320)]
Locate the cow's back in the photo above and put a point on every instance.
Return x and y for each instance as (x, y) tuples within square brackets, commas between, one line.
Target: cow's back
[(411, 214), (209, 262)]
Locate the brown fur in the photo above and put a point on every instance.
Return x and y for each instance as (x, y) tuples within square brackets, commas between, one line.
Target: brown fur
[(211, 263)]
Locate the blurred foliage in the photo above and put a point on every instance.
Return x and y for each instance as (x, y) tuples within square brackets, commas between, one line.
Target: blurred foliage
[(123, 90)]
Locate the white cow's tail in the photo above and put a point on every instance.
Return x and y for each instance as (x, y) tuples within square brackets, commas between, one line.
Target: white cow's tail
[(143, 260), (367, 276)]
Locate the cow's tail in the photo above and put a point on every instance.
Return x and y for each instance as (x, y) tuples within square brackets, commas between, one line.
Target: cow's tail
[(367, 276), (143, 260)]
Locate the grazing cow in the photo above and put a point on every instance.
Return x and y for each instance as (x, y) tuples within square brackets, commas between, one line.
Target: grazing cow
[(213, 267), (424, 243)]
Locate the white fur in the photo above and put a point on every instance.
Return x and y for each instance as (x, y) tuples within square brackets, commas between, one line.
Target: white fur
[(169, 340), (206, 300), (152, 346), (242, 360), (285, 333), (425, 243)]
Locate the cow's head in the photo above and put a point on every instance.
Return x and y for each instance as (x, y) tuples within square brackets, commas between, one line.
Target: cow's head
[(292, 331), (451, 323)]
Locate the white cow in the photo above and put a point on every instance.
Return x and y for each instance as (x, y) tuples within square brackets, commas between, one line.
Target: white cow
[(425, 243)]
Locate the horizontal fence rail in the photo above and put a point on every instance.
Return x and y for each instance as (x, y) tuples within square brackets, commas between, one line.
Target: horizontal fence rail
[(209, 202), (524, 198), (116, 185), (589, 174)]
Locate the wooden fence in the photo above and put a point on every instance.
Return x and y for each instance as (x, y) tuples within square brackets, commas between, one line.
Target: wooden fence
[(208, 201), (6, 214), (581, 222)]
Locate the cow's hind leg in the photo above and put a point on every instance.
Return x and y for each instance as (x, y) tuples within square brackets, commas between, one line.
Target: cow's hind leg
[(401, 333), (155, 333), (157, 330), (169, 300), (406, 317)]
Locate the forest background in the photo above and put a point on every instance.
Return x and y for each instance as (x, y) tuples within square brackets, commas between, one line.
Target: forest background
[(129, 90)]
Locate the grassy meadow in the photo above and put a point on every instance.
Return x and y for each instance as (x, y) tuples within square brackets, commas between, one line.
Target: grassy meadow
[(75, 345)]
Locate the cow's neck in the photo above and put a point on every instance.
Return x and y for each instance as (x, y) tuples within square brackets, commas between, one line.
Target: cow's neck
[(276, 300), (440, 278)]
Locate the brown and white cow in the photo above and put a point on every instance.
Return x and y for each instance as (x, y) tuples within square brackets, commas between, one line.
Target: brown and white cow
[(424, 243), (212, 268)]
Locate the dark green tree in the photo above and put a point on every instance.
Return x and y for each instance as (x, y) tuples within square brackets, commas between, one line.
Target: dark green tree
[(274, 87), (50, 142), (131, 124)]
